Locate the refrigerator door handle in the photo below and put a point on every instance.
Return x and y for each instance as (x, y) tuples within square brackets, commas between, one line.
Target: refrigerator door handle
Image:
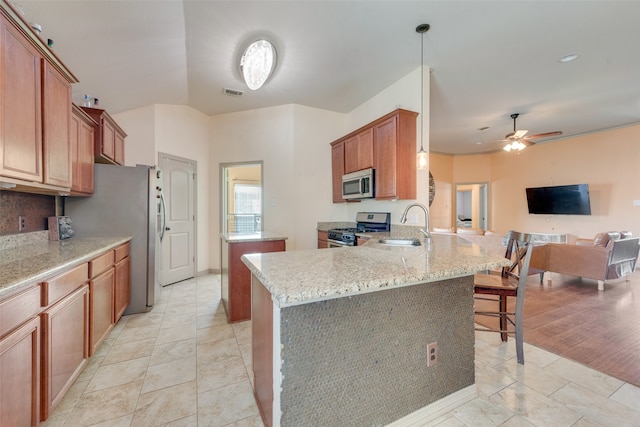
[(164, 216)]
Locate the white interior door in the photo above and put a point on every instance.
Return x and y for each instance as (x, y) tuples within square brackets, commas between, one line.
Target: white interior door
[(178, 244)]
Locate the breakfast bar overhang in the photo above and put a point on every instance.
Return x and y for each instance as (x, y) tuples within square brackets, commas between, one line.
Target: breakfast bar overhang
[(340, 335)]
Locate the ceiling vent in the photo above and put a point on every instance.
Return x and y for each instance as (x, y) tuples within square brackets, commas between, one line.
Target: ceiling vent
[(232, 92)]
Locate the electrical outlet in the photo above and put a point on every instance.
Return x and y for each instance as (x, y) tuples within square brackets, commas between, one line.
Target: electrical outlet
[(21, 223), (432, 354)]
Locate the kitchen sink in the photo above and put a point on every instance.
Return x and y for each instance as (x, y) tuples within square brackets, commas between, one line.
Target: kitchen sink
[(400, 242)]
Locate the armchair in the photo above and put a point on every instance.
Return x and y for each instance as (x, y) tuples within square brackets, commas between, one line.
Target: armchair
[(608, 256)]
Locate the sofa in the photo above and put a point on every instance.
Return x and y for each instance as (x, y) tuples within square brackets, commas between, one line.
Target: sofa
[(608, 256)]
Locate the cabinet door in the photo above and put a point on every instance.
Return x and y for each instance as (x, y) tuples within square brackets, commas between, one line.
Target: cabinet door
[(100, 309), (337, 170), (123, 288), (322, 240), (358, 151), (119, 148), (20, 376), (56, 120), (82, 139), (20, 107), (385, 153), (108, 148), (86, 135), (65, 349)]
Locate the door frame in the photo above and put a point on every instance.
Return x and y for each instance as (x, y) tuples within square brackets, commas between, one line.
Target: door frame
[(223, 190), (195, 203), (483, 208)]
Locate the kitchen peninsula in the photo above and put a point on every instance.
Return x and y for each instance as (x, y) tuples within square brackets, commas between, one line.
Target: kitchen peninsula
[(340, 335)]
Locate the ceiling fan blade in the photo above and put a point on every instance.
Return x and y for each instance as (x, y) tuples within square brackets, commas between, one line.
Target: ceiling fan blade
[(519, 134), (526, 142), (511, 136), (545, 135)]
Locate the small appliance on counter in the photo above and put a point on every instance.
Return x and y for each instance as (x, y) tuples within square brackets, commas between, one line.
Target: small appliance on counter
[(366, 222), (60, 227)]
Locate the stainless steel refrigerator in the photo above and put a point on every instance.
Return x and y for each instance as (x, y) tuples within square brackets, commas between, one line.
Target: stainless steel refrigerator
[(127, 201)]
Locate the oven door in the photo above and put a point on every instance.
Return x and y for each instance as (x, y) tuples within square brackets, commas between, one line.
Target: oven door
[(337, 243)]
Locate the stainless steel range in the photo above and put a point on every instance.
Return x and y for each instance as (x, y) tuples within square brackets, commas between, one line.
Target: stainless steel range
[(366, 222)]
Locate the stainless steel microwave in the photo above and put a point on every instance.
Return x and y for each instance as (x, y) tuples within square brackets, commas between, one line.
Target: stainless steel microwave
[(358, 185)]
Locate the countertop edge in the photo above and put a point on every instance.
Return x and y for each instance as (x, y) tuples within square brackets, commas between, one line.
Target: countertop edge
[(12, 288), (263, 236), (282, 295)]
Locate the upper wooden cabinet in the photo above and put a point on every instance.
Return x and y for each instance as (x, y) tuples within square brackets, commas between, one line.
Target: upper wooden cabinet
[(395, 156), (337, 170), (35, 109), (56, 115), (387, 144), (109, 139), (358, 151), (20, 111), (82, 131)]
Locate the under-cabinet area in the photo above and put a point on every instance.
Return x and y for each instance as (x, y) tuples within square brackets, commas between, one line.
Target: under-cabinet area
[(58, 301)]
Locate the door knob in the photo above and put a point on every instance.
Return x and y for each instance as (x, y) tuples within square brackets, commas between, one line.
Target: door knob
[(168, 228)]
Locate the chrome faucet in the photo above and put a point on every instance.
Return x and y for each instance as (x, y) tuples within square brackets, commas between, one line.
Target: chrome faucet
[(403, 218)]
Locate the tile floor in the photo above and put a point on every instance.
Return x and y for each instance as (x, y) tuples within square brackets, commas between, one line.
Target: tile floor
[(182, 365)]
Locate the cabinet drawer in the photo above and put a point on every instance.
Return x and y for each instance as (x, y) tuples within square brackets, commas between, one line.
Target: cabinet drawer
[(101, 263), (122, 251), (64, 284), (19, 308)]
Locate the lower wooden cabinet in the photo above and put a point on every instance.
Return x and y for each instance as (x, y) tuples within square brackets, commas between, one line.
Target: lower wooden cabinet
[(101, 292), (322, 239), (65, 348), (20, 375), (122, 281)]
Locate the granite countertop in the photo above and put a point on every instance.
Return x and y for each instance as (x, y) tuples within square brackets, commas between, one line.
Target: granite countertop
[(300, 277), (260, 236), (24, 265)]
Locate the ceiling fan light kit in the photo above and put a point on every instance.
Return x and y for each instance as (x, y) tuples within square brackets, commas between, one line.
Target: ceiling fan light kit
[(516, 140), (422, 156)]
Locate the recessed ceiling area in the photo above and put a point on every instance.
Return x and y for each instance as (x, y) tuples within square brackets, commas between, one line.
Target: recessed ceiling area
[(489, 59)]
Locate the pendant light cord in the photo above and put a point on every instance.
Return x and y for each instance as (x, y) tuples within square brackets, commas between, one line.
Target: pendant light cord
[(421, 88), (422, 28)]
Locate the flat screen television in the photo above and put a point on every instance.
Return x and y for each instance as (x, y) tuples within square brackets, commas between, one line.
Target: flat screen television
[(559, 200)]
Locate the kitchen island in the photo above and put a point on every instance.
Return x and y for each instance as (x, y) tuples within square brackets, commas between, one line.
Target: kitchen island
[(235, 278), (340, 335)]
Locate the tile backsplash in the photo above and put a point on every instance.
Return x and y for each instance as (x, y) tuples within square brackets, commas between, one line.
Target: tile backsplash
[(34, 207)]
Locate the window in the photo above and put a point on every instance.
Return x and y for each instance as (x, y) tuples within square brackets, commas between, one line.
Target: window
[(247, 201)]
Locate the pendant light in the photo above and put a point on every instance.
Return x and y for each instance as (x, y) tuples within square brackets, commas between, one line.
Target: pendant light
[(423, 156)]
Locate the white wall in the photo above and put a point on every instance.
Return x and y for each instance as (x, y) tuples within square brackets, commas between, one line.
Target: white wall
[(405, 93), (140, 144), (293, 143), (180, 131)]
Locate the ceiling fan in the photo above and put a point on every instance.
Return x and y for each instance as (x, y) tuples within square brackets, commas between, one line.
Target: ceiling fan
[(517, 140)]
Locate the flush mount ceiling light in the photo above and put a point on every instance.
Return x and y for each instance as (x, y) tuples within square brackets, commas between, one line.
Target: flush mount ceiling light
[(569, 58), (257, 63), (423, 156)]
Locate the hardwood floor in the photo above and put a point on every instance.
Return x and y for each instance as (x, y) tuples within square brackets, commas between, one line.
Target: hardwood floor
[(571, 318)]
